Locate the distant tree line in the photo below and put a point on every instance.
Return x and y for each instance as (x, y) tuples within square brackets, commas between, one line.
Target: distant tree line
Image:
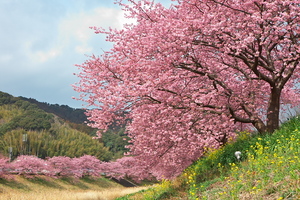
[(63, 111)]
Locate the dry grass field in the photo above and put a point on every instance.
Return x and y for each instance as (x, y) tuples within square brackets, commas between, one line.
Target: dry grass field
[(66, 189)]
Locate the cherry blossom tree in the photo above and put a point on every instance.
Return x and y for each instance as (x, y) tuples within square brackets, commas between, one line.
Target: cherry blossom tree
[(30, 166), (187, 76), (87, 166), (115, 169), (62, 166)]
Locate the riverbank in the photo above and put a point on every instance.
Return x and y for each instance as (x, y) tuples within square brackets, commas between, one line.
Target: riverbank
[(45, 188)]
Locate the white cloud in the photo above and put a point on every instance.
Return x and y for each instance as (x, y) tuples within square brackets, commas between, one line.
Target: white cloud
[(77, 26), (83, 49), (40, 55), (44, 56)]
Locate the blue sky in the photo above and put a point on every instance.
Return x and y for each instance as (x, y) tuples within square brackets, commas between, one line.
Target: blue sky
[(42, 40)]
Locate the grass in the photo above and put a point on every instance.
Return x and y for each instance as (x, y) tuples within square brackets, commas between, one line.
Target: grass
[(269, 169), (45, 188), (164, 190)]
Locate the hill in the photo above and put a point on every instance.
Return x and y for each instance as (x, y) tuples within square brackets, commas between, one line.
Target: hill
[(76, 118), (19, 114), (28, 130), (63, 111), (268, 169)]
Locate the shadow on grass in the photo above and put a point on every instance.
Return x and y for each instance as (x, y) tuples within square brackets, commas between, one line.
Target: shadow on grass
[(75, 182), (103, 182), (14, 184), (45, 182)]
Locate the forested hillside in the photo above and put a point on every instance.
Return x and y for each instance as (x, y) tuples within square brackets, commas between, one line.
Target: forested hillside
[(29, 130), (63, 111), (76, 118)]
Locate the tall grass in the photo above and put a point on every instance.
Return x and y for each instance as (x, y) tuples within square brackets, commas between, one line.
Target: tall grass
[(269, 169), (165, 190)]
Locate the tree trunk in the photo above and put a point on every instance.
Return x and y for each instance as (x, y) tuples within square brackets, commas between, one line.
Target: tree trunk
[(273, 110)]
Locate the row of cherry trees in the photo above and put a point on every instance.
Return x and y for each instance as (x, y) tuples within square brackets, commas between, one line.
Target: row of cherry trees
[(61, 166)]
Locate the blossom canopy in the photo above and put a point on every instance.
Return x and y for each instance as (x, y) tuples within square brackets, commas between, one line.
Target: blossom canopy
[(187, 76)]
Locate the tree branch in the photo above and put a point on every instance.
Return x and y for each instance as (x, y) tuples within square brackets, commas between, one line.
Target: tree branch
[(227, 6)]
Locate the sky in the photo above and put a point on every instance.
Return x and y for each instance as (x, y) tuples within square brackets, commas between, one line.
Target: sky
[(41, 41)]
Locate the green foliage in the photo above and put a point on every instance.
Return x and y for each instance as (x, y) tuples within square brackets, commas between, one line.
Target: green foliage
[(23, 115), (73, 143), (84, 128), (164, 190), (116, 140), (65, 142), (7, 112), (7, 99), (63, 111), (32, 120)]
